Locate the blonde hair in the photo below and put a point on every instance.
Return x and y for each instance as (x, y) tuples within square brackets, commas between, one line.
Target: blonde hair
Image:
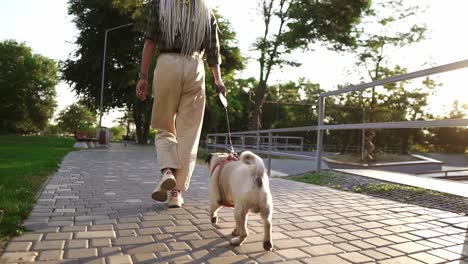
[(189, 18)]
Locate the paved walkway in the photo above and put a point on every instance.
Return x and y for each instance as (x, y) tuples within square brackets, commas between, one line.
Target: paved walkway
[(97, 209)]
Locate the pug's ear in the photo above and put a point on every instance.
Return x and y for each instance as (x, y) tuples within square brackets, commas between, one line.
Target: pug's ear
[(208, 159)]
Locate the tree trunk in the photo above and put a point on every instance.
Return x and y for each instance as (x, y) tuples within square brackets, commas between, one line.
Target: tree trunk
[(405, 135), (142, 116), (256, 123)]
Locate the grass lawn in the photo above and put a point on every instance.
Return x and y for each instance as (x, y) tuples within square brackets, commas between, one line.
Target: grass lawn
[(25, 164), (338, 181)]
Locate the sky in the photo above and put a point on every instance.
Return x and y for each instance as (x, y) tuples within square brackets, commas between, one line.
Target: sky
[(47, 28)]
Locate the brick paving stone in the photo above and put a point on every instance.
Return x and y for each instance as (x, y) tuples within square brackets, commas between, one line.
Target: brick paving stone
[(28, 237), (101, 228), (326, 260), (400, 260), (429, 244), (178, 229), (73, 228), (363, 234), (265, 257), (133, 240), (410, 247), (46, 245), (427, 258), (179, 246), (94, 234), (347, 247), (251, 248), (361, 244), (322, 250), (81, 253), (50, 255), (107, 251), (100, 242), (291, 253), (306, 218), (410, 236), (301, 233), (122, 259), (376, 241), (380, 231), (395, 238), (149, 231), (18, 246), (13, 257), (176, 257), (460, 249), (126, 233), (144, 258), (316, 240), (426, 233), (289, 243), (374, 254), (76, 244), (228, 260), (58, 236), (445, 254), (355, 257), (147, 248), (334, 238)]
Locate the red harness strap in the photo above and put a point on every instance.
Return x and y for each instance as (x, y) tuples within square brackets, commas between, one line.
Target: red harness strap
[(222, 201)]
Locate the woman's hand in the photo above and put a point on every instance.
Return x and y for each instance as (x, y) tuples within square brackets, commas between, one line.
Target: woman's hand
[(142, 89), (221, 87)]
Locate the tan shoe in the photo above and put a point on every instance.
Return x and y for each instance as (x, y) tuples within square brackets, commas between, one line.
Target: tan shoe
[(176, 200), (167, 183)]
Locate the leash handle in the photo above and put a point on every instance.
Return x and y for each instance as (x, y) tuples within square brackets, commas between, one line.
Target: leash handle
[(223, 100), (221, 97)]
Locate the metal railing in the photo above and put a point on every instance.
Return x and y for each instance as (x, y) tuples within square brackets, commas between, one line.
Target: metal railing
[(321, 127)]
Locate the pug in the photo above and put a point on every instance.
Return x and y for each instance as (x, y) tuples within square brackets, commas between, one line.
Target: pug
[(243, 184)]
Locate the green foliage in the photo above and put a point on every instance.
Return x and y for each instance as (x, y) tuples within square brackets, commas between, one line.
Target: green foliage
[(339, 181), (51, 130), (313, 178), (117, 132), (393, 188), (27, 88), (25, 163), (387, 27), (83, 70), (330, 22), (76, 117), (451, 139), (299, 24)]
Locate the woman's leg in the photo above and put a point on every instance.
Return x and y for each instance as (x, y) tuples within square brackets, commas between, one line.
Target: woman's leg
[(167, 87), (189, 120)]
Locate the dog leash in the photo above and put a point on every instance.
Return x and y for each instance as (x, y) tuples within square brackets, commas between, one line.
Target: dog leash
[(223, 101)]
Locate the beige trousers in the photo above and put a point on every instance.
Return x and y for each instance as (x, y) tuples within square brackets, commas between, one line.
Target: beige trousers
[(179, 104)]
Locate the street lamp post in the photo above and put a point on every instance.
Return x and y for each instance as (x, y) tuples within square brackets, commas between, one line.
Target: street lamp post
[(104, 68)]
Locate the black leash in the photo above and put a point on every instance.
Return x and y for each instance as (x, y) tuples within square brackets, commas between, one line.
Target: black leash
[(224, 103), (229, 132)]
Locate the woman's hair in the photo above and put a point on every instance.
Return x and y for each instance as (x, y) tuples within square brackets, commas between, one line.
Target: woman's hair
[(190, 18)]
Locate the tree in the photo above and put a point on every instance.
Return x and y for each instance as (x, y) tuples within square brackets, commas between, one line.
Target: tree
[(83, 71), (27, 88), (451, 139), (75, 117), (388, 27), (232, 61), (300, 23)]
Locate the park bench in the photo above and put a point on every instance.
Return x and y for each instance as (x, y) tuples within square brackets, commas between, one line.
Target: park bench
[(85, 141)]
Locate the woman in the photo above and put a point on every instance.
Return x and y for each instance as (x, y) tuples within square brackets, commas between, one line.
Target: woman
[(182, 31)]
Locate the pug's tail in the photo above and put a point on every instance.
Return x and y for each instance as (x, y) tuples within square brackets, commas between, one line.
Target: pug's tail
[(248, 157)]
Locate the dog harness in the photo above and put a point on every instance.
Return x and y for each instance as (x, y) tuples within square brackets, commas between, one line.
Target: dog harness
[(231, 157)]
